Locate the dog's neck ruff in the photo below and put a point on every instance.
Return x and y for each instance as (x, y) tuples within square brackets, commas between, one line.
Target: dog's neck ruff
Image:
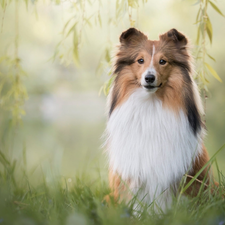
[(150, 146)]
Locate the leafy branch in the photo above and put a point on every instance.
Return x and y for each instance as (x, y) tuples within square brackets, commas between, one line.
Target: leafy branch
[(12, 91), (205, 31)]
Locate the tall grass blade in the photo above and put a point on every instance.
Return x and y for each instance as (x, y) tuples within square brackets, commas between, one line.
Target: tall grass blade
[(200, 171)]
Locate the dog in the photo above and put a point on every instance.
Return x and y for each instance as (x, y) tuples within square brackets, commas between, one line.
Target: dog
[(155, 130)]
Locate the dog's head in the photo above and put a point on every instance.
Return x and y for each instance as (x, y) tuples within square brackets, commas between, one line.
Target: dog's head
[(150, 64)]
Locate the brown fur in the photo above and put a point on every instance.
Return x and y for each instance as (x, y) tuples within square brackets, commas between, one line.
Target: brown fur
[(206, 175), (170, 94), (118, 187)]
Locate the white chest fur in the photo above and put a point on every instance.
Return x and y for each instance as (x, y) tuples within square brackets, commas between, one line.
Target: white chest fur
[(151, 146)]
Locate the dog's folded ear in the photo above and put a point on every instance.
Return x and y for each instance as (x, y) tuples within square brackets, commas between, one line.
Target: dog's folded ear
[(175, 36), (130, 35)]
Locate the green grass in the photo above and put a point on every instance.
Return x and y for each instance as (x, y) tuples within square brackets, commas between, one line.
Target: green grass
[(80, 201)]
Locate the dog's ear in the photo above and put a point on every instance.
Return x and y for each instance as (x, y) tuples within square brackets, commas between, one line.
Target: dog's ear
[(175, 36), (131, 34)]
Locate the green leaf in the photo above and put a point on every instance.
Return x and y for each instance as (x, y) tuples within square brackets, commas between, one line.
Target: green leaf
[(4, 158), (107, 55), (88, 22), (108, 85), (198, 15), (216, 8), (100, 90), (207, 81), (209, 29), (71, 29), (213, 72), (99, 20), (75, 47), (67, 23), (201, 170), (197, 22), (198, 35), (211, 57)]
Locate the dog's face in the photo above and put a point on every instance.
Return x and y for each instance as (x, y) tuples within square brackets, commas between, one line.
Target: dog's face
[(151, 63), (151, 67)]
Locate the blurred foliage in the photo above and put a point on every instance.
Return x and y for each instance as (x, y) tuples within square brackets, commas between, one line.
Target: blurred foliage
[(74, 29), (12, 91), (204, 30)]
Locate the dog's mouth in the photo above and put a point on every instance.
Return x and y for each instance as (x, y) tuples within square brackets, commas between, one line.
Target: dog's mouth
[(149, 87)]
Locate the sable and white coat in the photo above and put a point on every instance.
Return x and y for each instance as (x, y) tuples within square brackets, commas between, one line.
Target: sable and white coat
[(154, 132)]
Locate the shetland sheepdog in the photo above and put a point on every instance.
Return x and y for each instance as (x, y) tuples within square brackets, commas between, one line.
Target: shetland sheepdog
[(155, 130)]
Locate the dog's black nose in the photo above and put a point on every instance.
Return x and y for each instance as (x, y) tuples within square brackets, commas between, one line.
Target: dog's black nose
[(150, 78)]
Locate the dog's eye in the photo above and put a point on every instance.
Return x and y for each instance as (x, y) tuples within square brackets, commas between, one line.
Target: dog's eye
[(141, 61), (162, 62)]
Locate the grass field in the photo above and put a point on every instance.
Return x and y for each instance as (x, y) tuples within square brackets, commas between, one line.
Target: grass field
[(80, 201)]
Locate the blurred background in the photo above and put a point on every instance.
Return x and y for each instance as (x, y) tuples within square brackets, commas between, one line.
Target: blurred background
[(65, 113)]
